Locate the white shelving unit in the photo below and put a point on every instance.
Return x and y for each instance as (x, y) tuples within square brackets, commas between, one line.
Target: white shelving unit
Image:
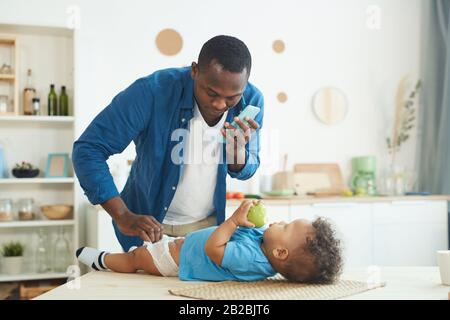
[(36, 180), (36, 119), (31, 276), (36, 223), (48, 52)]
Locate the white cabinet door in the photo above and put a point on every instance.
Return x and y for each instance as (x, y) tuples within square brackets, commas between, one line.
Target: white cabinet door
[(353, 223), (409, 233)]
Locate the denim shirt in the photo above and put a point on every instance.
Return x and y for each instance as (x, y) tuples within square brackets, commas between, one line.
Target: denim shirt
[(148, 112)]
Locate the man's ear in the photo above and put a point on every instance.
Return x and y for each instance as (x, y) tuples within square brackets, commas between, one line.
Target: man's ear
[(194, 70), (280, 253)]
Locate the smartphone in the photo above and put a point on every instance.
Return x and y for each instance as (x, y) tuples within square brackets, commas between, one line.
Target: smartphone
[(249, 112)]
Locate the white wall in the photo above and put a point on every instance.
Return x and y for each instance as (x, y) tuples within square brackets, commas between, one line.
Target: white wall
[(327, 43)]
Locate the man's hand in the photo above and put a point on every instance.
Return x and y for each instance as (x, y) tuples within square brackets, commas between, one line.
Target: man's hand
[(236, 140), (239, 217), (145, 227), (130, 224)]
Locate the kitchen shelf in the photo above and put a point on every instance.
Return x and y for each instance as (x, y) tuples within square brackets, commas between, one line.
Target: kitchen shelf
[(7, 77), (33, 137), (38, 119), (32, 276), (36, 223), (36, 180), (11, 76)]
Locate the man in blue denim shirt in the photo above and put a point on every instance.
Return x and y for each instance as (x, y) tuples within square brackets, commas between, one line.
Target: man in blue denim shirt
[(166, 191)]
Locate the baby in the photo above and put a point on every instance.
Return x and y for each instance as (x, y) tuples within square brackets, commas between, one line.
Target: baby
[(301, 251)]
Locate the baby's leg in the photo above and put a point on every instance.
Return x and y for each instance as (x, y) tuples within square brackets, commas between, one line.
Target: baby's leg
[(130, 262)]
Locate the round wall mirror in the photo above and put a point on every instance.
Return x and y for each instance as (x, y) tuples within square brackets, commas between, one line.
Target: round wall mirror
[(330, 105)]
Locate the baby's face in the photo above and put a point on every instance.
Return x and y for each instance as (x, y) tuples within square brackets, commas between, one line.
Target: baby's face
[(288, 235)]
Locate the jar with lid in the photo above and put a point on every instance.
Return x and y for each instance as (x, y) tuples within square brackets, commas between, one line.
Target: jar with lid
[(26, 209), (6, 213)]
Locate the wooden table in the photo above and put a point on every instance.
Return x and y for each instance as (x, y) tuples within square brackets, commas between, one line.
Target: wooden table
[(403, 283)]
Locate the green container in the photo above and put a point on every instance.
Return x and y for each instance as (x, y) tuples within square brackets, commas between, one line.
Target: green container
[(363, 175), (364, 164)]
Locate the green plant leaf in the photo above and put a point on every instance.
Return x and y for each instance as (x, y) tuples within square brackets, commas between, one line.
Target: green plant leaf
[(12, 249)]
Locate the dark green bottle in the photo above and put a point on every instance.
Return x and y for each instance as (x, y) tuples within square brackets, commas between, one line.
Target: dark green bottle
[(52, 102), (63, 103)]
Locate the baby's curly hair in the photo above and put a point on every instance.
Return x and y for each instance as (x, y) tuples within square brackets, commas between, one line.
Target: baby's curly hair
[(319, 260)]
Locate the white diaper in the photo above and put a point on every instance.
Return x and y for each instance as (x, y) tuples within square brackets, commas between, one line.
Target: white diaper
[(161, 256)]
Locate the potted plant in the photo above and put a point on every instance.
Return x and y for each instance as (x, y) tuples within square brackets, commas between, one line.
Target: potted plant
[(12, 254), (25, 170), (405, 116), (407, 97)]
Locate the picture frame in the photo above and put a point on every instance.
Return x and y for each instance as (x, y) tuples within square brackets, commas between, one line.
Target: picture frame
[(57, 165)]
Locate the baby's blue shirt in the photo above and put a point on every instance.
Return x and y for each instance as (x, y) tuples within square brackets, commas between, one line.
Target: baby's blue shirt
[(243, 259)]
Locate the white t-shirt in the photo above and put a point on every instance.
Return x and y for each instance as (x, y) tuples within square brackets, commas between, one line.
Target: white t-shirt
[(193, 199)]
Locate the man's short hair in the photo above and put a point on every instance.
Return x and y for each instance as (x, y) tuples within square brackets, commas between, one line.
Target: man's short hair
[(231, 53)]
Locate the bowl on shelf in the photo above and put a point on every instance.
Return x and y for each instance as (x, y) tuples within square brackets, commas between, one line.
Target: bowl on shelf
[(25, 173), (57, 212)]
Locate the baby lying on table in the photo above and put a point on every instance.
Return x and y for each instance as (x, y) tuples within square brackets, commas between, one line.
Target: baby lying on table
[(301, 251)]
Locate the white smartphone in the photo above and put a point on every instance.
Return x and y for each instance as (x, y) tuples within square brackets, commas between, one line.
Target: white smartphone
[(249, 112)]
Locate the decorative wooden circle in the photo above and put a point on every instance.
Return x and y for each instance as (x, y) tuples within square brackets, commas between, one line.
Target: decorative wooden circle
[(278, 46), (282, 97), (169, 42), (330, 105)]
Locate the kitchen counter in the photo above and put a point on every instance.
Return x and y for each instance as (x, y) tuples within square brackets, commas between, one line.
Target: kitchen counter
[(402, 283), (355, 199)]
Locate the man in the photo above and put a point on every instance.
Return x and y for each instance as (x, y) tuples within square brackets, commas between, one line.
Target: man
[(161, 193)]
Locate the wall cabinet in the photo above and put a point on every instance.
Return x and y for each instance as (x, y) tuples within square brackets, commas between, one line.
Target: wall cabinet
[(409, 233), (353, 224)]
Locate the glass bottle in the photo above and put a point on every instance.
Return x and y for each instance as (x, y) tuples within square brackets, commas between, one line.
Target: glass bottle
[(61, 251), (42, 253), (52, 101), (28, 95), (63, 103)]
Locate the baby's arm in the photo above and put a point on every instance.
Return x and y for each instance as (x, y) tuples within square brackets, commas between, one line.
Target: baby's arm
[(217, 241)]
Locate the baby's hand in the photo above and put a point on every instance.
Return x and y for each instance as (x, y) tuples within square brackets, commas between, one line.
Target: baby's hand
[(239, 217)]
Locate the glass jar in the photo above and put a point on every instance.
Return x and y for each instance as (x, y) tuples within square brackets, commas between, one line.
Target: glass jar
[(3, 104), (26, 209), (6, 213), (36, 106)]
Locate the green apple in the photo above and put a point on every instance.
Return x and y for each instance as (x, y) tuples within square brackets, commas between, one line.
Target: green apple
[(257, 215)]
